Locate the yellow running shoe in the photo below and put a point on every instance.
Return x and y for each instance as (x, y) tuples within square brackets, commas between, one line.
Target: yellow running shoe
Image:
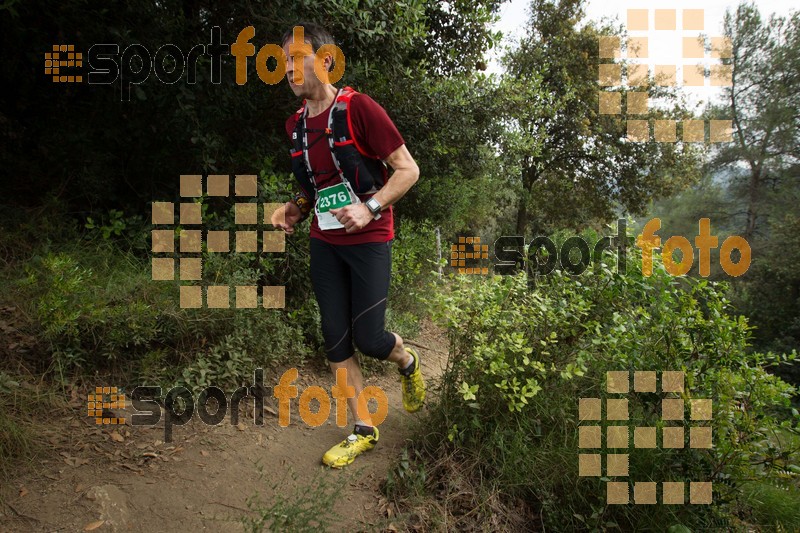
[(346, 451), (413, 385)]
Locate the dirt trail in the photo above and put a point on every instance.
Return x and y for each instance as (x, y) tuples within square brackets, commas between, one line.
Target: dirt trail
[(124, 478)]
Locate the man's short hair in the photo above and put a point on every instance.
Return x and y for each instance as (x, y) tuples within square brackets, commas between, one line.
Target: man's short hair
[(314, 34)]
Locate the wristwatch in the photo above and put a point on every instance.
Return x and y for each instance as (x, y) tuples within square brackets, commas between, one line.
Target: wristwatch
[(374, 207)]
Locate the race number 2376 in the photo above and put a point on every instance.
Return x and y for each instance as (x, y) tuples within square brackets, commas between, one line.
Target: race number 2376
[(333, 200)]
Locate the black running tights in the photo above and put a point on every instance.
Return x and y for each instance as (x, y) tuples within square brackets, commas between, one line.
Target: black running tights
[(351, 284)]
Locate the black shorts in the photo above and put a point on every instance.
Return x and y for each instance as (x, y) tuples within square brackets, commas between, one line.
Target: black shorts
[(352, 284)]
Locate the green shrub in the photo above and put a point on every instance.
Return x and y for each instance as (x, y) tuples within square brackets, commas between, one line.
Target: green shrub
[(94, 307), (413, 259), (97, 308), (522, 356), (258, 338)]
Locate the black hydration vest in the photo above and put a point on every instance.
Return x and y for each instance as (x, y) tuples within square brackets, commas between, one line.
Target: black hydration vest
[(363, 171)]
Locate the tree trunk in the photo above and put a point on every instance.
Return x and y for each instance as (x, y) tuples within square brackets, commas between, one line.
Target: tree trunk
[(752, 201), (522, 213), (529, 177)]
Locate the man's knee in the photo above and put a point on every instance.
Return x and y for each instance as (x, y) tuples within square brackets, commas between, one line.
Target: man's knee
[(339, 355), (375, 345)]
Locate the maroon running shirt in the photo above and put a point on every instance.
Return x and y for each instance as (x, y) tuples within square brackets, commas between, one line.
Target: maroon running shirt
[(375, 132)]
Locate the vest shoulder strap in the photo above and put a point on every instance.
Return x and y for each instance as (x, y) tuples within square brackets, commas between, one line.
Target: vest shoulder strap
[(344, 132)]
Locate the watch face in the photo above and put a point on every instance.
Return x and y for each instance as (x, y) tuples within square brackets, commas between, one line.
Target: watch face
[(373, 205)]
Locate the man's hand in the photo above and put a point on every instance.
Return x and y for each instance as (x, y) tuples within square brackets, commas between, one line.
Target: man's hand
[(353, 216), (286, 217)]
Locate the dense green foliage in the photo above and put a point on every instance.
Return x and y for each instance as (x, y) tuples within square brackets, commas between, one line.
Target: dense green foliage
[(752, 185), (93, 305), (525, 152), (764, 161), (569, 164), (95, 152), (522, 357), (762, 101)]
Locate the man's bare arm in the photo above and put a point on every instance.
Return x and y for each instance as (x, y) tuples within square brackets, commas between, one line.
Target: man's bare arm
[(356, 216), (406, 174)]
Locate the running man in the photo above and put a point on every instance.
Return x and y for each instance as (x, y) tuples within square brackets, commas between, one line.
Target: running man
[(342, 143)]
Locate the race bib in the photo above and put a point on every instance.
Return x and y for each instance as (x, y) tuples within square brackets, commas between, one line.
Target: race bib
[(333, 197)]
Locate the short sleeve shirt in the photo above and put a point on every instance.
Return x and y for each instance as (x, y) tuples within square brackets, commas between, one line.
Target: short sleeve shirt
[(377, 135)]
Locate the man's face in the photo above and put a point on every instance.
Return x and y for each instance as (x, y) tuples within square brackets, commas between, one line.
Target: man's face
[(305, 68)]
